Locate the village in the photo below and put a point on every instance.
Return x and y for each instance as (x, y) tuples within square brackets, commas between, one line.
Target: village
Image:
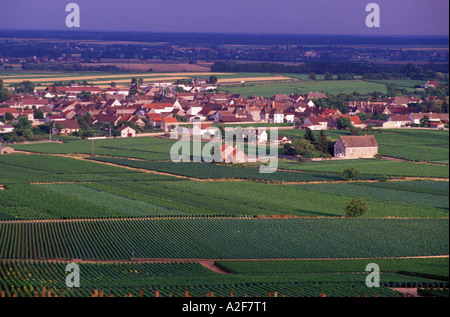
[(162, 106)]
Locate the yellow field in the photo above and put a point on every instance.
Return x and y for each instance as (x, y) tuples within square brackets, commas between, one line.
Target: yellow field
[(253, 79), (96, 78), (123, 80)]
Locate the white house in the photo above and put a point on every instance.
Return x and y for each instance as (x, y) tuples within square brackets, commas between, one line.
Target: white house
[(316, 123), (400, 120), (276, 116), (203, 129), (127, 132)]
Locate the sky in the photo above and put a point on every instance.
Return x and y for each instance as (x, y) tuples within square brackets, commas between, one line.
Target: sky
[(397, 17)]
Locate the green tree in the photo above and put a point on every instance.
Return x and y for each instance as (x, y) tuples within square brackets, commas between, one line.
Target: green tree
[(309, 135), (344, 122), (351, 173), (328, 76), (356, 208), (322, 143), (312, 76), (9, 117), (23, 123), (4, 93), (425, 121), (213, 80), (303, 146), (288, 149)]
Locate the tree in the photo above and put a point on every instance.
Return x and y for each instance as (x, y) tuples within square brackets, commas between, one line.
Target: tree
[(38, 114), (312, 76), (309, 136), (212, 80), (356, 208), (351, 173), (303, 147), (425, 121), (322, 143), (23, 124), (344, 122), (288, 149), (9, 117), (328, 76), (4, 93)]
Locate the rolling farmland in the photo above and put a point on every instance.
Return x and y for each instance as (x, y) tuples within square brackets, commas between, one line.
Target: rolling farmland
[(129, 205)]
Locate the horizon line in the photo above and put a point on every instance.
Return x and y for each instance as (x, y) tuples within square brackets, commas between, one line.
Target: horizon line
[(228, 33)]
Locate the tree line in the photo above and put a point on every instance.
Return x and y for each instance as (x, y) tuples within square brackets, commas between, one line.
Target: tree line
[(372, 71)]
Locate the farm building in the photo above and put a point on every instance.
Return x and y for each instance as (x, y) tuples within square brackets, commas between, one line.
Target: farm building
[(354, 147), (6, 150), (127, 132)]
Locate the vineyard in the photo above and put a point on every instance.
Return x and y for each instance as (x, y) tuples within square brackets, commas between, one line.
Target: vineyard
[(222, 238), (282, 233), (20, 278), (372, 167), (215, 171)]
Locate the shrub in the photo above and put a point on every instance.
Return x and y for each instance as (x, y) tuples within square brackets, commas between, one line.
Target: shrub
[(351, 173), (356, 208)]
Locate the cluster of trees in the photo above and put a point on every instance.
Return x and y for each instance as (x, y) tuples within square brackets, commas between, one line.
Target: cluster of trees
[(339, 76), (25, 87), (373, 71), (24, 131), (4, 93), (309, 146), (69, 67)]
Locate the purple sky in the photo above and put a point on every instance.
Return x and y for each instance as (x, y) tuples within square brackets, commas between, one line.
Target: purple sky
[(398, 17)]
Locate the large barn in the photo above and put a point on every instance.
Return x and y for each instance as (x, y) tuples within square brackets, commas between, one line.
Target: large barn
[(355, 147)]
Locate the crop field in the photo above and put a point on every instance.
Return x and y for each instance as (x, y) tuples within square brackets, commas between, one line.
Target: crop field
[(371, 167), (214, 171), (223, 238), (161, 72), (45, 168), (144, 279), (113, 198), (131, 203), (431, 266), (304, 87)]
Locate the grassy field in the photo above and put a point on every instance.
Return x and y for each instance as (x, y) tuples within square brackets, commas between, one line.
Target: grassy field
[(306, 86)]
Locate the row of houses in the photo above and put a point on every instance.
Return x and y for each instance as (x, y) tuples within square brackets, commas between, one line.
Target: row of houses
[(152, 106)]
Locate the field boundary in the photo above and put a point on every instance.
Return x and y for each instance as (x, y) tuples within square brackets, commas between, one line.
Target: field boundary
[(190, 217)]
